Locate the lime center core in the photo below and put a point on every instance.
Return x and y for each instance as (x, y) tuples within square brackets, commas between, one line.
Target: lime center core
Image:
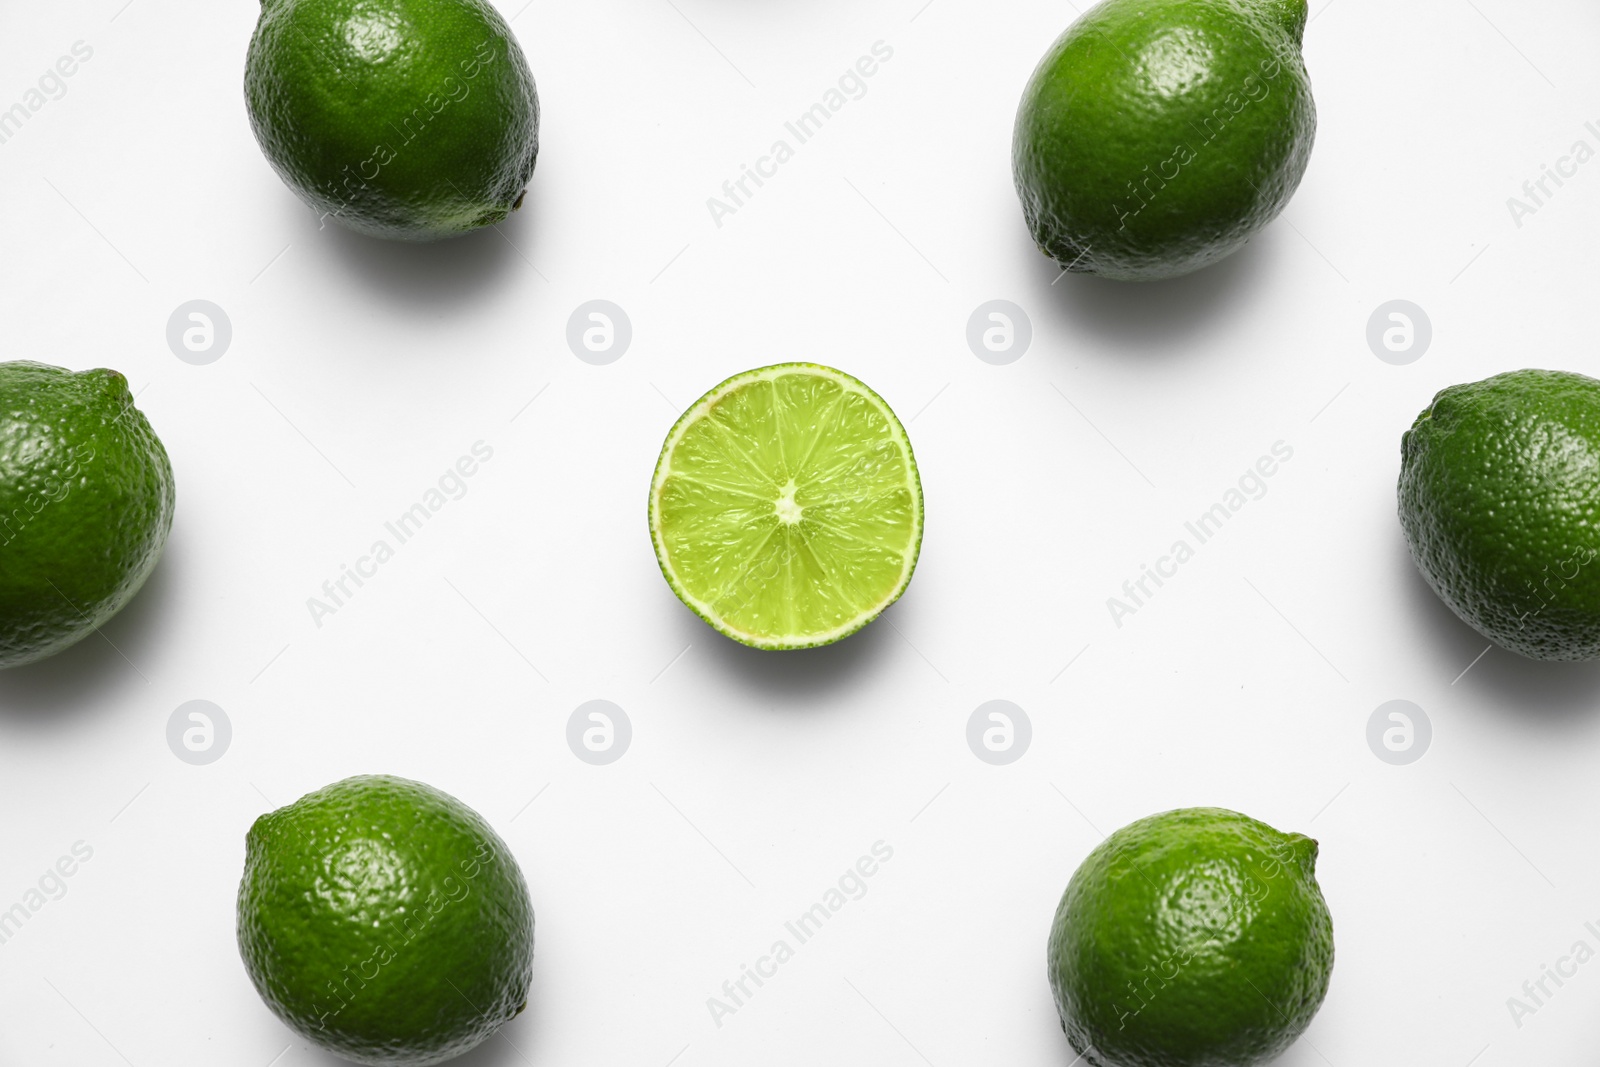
[(785, 508)]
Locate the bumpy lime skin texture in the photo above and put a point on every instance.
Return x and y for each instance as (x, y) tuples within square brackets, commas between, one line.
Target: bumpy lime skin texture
[(404, 119), (385, 921), (1157, 135), (86, 500), (1194, 938), (1500, 503)]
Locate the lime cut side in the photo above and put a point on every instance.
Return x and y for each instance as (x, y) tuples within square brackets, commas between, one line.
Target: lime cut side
[(786, 510)]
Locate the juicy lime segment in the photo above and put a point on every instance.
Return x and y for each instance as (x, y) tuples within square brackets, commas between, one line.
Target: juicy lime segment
[(786, 510)]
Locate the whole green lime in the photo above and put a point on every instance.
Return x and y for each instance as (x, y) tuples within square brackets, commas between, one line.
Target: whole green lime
[(1157, 135), (385, 921), (1194, 938), (406, 119), (1500, 503), (86, 501)]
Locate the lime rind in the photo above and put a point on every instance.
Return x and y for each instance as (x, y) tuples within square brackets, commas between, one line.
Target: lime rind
[(708, 491)]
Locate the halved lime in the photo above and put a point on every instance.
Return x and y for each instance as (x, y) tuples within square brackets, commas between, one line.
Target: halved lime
[(786, 510)]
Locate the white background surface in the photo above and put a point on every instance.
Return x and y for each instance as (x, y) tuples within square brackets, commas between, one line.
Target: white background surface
[(359, 371)]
